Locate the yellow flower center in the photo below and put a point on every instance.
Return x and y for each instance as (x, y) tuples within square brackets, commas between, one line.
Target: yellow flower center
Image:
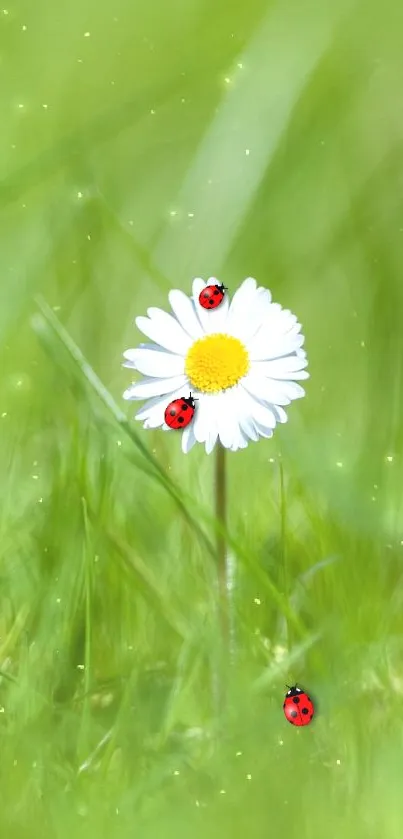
[(216, 362)]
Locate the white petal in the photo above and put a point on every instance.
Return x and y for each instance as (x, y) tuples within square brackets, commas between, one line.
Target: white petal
[(197, 286), (184, 310), (153, 408), (211, 321), (211, 439), (274, 391), (153, 411), (201, 418), (227, 418), (155, 387), (263, 431), (156, 362), (279, 413), (247, 311), (269, 343), (289, 367), (265, 390), (188, 439), (165, 331)]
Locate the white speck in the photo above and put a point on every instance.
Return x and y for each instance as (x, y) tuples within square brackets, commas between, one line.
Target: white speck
[(238, 754), (247, 152), (20, 105), (58, 600), (176, 772), (227, 80), (24, 28), (249, 777), (34, 765), (152, 111), (96, 558), (197, 803), (173, 213), (88, 237), (257, 601), (14, 761), (401, 542), (79, 60), (19, 383), (4, 414), (56, 308), (389, 458), (222, 792), (271, 459), (5, 11), (183, 101), (80, 666), (339, 464), (373, 498), (112, 83), (40, 500), (362, 344), (117, 811), (240, 65), (35, 477), (338, 762), (119, 442), (45, 106), (87, 34), (130, 647), (375, 486), (79, 194), (2, 710), (281, 742)]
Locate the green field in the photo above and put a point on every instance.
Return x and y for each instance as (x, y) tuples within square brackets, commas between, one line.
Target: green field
[(144, 144)]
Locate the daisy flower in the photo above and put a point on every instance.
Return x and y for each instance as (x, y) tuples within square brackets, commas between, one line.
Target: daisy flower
[(240, 361)]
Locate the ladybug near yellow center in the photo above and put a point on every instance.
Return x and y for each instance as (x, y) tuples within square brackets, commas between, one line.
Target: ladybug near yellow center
[(212, 296), (180, 412), (298, 706)]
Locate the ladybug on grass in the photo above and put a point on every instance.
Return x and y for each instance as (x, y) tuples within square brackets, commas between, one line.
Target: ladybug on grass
[(298, 706), (212, 296), (180, 412)]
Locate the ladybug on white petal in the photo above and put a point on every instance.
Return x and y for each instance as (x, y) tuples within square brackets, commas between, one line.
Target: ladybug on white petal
[(298, 706), (212, 296), (180, 412)]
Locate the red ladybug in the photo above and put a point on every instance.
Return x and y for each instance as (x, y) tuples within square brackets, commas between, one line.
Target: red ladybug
[(298, 706), (180, 412), (212, 296)]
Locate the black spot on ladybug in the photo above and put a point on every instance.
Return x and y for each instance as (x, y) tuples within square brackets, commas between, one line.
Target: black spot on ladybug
[(211, 302), (283, 704), (311, 716), (217, 291), (180, 419), (305, 711), (184, 406), (293, 714), (309, 699), (172, 412), (296, 699)]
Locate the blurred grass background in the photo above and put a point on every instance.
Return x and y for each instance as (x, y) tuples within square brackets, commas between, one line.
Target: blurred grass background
[(142, 145)]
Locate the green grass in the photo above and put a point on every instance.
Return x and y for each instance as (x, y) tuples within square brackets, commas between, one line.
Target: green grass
[(183, 139)]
